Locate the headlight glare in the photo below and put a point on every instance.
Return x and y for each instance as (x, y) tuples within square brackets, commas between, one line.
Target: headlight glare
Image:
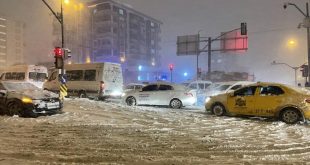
[(207, 99), (26, 100)]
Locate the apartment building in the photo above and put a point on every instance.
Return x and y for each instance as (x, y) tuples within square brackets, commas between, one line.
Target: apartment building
[(11, 41)]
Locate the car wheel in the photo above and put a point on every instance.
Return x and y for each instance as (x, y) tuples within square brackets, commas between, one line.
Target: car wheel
[(290, 116), (218, 110), (15, 108), (131, 101), (175, 104), (82, 94)]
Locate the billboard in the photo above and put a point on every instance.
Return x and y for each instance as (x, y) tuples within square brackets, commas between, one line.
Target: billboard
[(188, 45), (234, 41)]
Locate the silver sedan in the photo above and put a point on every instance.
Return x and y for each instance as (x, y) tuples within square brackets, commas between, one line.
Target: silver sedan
[(173, 95)]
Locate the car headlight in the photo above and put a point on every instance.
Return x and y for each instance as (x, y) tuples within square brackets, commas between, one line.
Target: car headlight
[(116, 93), (207, 99), (123, 94), (26, 100)]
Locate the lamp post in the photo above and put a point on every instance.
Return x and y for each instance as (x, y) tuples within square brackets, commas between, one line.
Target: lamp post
[(305, 24), (295, 68)]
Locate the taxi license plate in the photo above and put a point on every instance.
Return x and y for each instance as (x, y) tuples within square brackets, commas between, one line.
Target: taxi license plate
[(52, 105)]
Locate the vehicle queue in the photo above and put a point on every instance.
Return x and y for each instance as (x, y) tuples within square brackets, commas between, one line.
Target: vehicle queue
[(271, 100)]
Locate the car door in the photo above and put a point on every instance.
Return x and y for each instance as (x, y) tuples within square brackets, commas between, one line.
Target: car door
[(146, 95), (243, 101), (163, 95), (269, 98)]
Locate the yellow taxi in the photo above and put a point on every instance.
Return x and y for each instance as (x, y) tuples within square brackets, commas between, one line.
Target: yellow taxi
[(286, 103)]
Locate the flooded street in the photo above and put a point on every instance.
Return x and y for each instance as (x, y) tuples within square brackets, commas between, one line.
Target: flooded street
[(90, 132)]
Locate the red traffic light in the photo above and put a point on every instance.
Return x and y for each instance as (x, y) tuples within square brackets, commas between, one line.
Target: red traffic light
[(171, 66), (58, 52)]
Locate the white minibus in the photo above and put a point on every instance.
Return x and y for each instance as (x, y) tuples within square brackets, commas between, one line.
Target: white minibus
[(95, 80)]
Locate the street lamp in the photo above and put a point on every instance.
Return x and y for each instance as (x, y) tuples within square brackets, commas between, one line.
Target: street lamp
[(305, 24), (293, 67)]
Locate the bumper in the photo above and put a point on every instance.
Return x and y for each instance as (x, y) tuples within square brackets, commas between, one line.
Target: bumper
[(189, 101), (307, 114), (42, 108)]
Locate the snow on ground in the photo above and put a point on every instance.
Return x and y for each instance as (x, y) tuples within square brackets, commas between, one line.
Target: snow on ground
[(93, 132)]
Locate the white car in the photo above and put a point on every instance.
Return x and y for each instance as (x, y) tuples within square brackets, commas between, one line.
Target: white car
[(225, 87), (162, 93)]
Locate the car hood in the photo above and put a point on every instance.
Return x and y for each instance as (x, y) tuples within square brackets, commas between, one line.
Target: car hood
[(37, 94)]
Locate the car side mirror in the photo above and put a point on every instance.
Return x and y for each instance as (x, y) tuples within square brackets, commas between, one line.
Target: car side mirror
[(232, 94)]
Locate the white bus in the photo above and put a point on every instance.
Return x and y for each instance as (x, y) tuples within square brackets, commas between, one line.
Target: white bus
[(34, 74), (96, 80)]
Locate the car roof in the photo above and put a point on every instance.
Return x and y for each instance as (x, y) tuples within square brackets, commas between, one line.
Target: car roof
[(135, 84)]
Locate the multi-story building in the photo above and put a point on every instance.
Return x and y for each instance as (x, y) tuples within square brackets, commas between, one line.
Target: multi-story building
[(122, 34), (11, 41), (109, 31)]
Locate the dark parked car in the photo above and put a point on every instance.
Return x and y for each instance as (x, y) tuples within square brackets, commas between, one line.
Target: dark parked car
[(26, 100)]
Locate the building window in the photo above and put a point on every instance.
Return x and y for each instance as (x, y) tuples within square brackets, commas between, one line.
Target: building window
[(121, 11)]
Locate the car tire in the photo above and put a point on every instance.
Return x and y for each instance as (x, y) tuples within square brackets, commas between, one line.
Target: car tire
[(82, 94), (218, 110), (15, 107), (175, 104), (290, 116), (131, 101)]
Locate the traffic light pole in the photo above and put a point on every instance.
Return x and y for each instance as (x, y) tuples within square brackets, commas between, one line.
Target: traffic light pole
[(62, 79)]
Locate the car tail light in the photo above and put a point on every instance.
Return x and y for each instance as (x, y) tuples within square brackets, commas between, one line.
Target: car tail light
[(189, 94), (101, 86), (307, 100)]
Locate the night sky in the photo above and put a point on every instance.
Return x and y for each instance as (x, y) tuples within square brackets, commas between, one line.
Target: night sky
[(269, 29)]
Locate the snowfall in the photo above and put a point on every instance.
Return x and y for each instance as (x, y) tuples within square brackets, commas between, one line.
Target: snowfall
[(96, 132)]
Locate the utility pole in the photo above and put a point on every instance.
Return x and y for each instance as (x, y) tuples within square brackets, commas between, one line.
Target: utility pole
[(209, 56), (171, 69), (305, 24)]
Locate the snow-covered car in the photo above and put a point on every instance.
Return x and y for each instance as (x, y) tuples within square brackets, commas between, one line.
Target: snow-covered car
[(274, 100), (225, 87), (26, 100), (161, 93)]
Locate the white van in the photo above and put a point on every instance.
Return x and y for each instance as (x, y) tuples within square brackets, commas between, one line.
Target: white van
[(34, 74), (86, 80)]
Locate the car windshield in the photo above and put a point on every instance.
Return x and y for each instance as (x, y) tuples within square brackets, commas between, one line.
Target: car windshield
[(19, 86), (37, 76), (212, 86), (299, 90), (222, 87)]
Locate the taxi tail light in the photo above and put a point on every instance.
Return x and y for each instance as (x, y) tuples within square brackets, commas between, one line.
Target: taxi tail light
[(307, 100), (189, 94)]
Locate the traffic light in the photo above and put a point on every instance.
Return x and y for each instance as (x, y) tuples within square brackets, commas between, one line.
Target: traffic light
[(67, 53), (304, 70), (58, 52), (171, 67), (244, 29), (59, 61)]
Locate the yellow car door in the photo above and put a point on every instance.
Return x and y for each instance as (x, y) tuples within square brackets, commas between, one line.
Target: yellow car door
[(242, 102), (269, 98)]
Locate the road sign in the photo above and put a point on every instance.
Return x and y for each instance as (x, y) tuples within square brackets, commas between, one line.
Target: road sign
[(188, 45)]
